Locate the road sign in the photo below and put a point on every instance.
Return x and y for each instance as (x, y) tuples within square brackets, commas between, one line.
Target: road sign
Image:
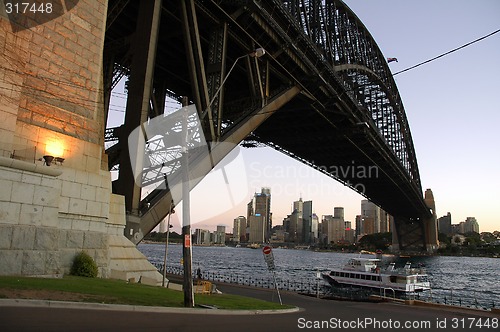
[(268, 257)]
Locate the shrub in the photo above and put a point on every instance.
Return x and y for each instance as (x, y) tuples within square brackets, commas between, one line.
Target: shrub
[(84, 266)]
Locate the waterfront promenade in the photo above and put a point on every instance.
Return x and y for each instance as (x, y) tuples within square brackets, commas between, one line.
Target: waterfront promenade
[(312, 312)]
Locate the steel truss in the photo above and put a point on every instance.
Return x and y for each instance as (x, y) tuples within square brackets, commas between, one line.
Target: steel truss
[(320, 57), (346, 43)]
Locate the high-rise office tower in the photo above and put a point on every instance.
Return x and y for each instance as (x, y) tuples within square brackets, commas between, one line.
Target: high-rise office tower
[(338, 212), (239, 229), (333, 228), (307, 218), (314, 228), (385, 225), (444, 224), (370, 210), (259, 216), (297, 220), (471, 225)]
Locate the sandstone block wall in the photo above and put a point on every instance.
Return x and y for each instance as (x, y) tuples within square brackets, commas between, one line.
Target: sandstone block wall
[(51, 103)]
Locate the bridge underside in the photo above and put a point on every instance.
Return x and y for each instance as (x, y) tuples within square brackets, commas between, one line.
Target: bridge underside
[(299, 98)]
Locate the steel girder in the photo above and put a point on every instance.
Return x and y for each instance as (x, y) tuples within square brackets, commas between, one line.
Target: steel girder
[(319, 47), (350, 48)]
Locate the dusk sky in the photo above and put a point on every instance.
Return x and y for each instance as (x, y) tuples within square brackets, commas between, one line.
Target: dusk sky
[(451, 103)]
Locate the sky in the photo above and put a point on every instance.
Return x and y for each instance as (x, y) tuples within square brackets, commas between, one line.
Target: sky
[(452, 105)]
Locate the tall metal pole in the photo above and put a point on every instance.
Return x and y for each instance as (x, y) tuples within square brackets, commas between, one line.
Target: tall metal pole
[(277, 289), (166, 246), (186, 222)]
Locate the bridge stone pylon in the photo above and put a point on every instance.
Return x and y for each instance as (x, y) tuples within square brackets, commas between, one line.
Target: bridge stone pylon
[(55, 187)]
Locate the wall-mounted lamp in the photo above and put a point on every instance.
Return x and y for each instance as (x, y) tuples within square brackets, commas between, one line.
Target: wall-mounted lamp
[(47, 160)]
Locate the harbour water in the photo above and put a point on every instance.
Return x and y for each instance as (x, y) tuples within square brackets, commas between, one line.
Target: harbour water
[(468, 281)]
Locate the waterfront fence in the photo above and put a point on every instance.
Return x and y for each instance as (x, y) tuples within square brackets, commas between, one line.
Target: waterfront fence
[(303, 286), (320, 288)]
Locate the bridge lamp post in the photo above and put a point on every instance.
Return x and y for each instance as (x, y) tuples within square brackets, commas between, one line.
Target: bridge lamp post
[(255, 54)]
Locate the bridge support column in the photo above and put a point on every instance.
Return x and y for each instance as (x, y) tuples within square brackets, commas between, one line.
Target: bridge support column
[(395, 236), (140, 87), (196, 65), (408, 234), (430, 223), (55, 187)]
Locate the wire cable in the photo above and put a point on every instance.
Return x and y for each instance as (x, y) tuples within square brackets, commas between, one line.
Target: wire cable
[(442, 55)]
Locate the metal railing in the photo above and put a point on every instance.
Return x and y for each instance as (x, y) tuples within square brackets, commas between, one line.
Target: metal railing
[(315, 287)]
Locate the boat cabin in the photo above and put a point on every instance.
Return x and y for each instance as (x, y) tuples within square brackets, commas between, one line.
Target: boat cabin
[(362, 264)]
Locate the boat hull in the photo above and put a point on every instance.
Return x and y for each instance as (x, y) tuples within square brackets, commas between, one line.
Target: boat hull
[(380, 282)]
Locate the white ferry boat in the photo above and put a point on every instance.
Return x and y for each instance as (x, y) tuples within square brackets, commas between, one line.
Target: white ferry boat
[(366, 273)]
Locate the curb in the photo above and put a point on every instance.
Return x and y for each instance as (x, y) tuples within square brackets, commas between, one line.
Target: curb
[(135, 308)]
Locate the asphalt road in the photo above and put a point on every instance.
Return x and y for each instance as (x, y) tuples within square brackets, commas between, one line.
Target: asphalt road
[(314, 314)]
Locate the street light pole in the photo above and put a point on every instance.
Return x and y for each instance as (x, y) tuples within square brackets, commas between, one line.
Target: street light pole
[(186, 222), (255, 54), (166, 245)]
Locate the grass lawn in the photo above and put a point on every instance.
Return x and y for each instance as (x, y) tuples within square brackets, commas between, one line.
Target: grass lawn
[(110, 291)]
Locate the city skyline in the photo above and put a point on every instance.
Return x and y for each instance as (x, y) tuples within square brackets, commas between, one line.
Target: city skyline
[(449, 103)]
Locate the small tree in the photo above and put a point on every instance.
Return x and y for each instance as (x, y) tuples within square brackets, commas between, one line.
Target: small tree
[(84, 266)]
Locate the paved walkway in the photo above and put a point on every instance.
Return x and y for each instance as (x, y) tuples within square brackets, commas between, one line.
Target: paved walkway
[(313, 314)]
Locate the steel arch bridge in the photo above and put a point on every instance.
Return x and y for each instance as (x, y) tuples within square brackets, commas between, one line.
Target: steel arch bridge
[(323, 94)]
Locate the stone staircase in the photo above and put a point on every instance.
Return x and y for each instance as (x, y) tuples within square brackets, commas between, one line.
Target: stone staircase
[(126, 262)]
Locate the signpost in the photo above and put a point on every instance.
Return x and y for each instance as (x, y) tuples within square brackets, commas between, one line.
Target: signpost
[(269, 258)]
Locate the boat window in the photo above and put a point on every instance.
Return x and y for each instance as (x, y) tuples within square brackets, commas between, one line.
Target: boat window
[(422, 278), (393, 279)]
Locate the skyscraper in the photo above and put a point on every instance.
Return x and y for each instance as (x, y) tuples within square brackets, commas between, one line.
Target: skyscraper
[(259, 215), (370, 210), (444, 224), (333, 229), (384, 222), (257, 229), (239, 229), (220, 235), (338, 212), (314, 228), (307, 218), (471, 225), (295, 226)]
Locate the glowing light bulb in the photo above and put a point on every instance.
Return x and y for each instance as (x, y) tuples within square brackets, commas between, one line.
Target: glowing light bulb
[(55, 148)]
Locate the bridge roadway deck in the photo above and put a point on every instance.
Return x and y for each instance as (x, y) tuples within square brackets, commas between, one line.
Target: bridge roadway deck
[(88, 317)]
